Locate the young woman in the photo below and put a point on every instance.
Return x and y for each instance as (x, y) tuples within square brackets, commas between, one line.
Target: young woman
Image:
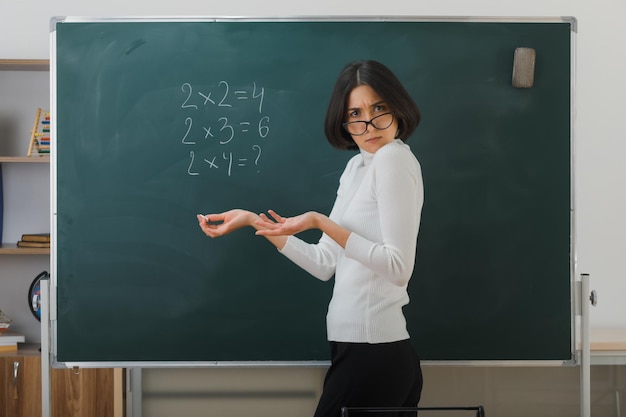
[(368, 242)]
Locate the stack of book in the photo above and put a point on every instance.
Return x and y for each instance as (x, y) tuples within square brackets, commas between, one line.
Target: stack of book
[(9, 341), (35, 240)]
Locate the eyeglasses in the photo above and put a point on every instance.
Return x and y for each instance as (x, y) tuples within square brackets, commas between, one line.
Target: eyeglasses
[(380, 122)]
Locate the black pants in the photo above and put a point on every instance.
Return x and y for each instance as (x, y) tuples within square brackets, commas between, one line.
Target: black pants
[(371, 375)]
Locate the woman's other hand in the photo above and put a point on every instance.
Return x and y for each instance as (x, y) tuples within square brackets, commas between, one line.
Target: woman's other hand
[(285, 226), (220, 224)]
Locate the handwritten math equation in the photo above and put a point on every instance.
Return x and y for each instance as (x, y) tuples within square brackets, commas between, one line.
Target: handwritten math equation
[(224, 128)]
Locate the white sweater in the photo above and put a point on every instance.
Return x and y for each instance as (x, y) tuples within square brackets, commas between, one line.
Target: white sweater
[(379, 200)]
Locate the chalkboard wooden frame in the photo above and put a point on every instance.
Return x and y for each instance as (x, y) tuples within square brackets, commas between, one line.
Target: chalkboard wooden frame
[(72, 302)]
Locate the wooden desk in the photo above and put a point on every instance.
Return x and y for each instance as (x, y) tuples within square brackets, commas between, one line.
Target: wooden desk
[(608, 346)]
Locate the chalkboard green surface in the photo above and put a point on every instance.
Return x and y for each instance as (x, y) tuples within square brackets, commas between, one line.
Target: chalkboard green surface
[(159, 120)]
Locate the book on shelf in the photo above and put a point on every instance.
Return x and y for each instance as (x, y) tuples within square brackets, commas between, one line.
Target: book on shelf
[(36, 237), (9, 341), (27, 244)]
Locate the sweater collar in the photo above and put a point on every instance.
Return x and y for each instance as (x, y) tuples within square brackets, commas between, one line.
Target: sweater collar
[(367, 157)]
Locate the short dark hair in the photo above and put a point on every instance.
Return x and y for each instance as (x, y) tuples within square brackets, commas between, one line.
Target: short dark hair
[(387, 86)]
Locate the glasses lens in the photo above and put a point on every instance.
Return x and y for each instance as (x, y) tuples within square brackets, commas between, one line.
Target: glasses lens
[(356, 128), (383, 121)]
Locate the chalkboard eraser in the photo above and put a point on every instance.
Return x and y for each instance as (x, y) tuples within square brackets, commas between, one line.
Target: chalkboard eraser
[(524, 68)]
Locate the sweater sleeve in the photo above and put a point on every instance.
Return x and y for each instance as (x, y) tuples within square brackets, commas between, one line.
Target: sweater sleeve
[(320, 260), (400, 195)]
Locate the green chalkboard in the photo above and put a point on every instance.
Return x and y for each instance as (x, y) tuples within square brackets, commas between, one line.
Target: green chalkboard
[(159, 120)]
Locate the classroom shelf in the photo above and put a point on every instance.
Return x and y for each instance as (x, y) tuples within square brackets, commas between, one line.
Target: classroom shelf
[(24, 65), (25, 159), (13, 249)]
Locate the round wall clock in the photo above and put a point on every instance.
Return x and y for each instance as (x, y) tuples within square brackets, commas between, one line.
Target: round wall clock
[(34, 295)]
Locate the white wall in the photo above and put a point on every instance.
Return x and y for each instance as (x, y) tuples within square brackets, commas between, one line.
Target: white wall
[(600, 198)]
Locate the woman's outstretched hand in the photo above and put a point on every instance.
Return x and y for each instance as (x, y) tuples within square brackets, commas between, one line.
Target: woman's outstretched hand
[(220, 224), (274, 227), (284, 226)]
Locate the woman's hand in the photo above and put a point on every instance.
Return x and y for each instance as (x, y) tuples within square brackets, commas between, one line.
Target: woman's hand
[(216, 225), (276, 228), (284, 226)]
